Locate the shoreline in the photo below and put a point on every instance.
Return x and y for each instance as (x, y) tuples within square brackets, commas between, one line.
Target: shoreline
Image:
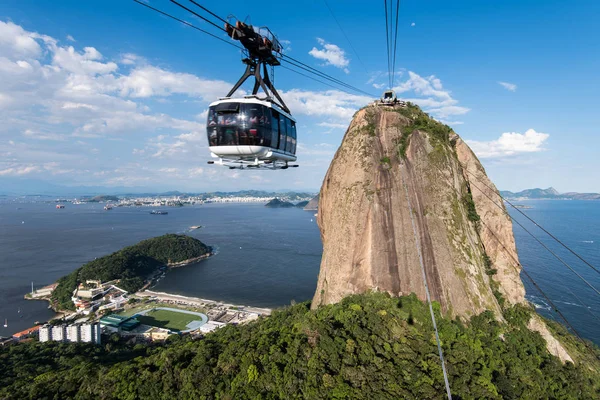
[(200, 302), (45, 293)]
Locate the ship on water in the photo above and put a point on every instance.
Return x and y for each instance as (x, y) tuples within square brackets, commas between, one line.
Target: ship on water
[(158, 212)]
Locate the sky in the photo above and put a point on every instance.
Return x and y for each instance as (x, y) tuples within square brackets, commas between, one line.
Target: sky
[(111, 94)]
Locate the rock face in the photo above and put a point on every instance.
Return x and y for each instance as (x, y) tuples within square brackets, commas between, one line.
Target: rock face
[(403, 187), (367, 229)]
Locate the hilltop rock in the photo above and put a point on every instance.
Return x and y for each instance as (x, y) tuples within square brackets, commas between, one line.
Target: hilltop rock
[(366, 222), (313, 205)]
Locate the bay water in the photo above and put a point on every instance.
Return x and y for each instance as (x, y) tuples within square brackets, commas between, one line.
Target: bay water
[(265, 257)]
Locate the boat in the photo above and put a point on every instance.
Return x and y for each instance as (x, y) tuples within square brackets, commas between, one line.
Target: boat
[(158, 212), (6, 323), (108, 207), (58, 206)]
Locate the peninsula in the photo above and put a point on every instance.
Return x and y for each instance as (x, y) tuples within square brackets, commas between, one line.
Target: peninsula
[(134, 267)]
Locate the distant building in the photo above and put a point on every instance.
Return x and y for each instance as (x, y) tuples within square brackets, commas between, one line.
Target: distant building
[(45, 333), (25, 333), (211, 326), (73, 333), (90, 333), (59, 333), (118, 323)]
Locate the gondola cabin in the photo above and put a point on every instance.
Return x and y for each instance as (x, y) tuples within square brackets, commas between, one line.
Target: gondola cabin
[(252, 132), (389, 97)]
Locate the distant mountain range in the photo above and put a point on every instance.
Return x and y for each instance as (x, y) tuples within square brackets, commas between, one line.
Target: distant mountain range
[(548, 194)]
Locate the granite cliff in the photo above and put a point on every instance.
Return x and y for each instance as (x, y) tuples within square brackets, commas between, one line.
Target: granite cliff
[(397, 167)]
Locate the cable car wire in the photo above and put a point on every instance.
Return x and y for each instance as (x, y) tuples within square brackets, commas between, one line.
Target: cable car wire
[(210, 12), (395, 43), (418, 245), (534, 283), (542, 228), (187, 23), (535, 238), (301, 65), (198, 15), (516, 261), (322, 74), (344, 33), (387, 41), (539, 226), (285, 58)]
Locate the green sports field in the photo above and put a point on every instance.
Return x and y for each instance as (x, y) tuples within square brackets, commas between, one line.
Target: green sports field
[(167, 319)]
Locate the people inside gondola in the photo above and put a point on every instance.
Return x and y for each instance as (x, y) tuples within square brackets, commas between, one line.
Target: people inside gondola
[(213, 136)]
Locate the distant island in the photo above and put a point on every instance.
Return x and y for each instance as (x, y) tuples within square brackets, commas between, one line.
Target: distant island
[(133, 266), (277, 203), (313, 204), (548, 194), (101, 198)]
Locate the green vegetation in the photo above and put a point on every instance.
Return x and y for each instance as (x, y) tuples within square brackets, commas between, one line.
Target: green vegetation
[(420, 120), (167, 319), (131, 265), (367, 346), (385, 160), (470, 205)]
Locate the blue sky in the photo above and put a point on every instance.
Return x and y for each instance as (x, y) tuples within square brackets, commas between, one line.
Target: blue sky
[(109, 93)]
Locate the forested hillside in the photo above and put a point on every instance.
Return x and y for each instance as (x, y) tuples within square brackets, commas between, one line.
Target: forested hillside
[(368, 346)]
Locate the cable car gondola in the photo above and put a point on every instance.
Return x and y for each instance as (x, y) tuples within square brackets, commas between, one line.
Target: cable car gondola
[(249, 131)]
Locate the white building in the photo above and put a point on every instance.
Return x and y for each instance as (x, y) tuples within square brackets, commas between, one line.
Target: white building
[(59, 333), (45, 333), (90, 333), (211, 326), (73, 333)]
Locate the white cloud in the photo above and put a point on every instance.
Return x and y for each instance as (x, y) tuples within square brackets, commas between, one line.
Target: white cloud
[(331, 54), (333, 125), (508, 86), (510, 144), (413, 24), (148, 81), (433, 98), (330, 103), (71, 38)]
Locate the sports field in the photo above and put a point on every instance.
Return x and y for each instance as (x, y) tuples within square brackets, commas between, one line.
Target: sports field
[(173, 319)]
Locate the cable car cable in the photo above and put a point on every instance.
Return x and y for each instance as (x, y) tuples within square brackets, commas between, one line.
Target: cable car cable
[(325, 76), (188, 24), (510, 254), (541, 227), (312, 70), (198, 15), (210, 12), (418, 245), (387, 41), (310, 77), (316, 71), (344, 33), (554, 307), (536, 239), (322, 74), (395, 43)]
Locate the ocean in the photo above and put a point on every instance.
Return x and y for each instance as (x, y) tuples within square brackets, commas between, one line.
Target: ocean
[(265, 257)]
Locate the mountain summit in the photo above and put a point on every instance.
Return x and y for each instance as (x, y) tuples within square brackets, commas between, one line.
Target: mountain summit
[(401, 187)]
